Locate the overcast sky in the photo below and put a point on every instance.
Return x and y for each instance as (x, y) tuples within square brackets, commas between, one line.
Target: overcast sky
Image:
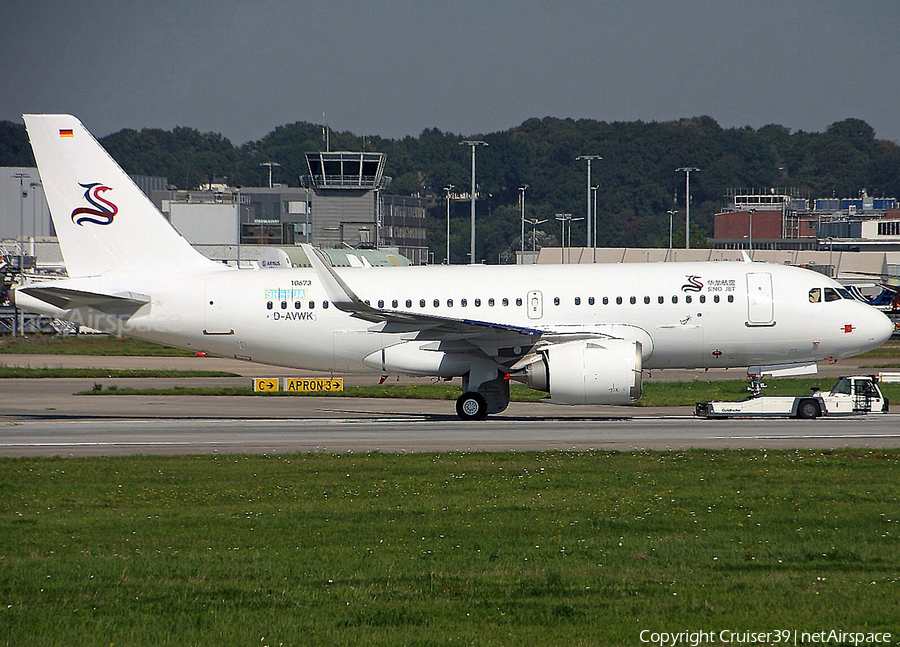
[(393, 68)]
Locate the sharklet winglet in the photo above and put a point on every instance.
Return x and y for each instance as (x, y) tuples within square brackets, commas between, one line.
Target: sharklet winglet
[(339, 293)]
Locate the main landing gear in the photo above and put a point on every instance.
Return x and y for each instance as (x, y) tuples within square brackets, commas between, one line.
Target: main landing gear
[(471, 406), (484, 392)]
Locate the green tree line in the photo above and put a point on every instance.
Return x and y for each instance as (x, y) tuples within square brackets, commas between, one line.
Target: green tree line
[(637, 179)]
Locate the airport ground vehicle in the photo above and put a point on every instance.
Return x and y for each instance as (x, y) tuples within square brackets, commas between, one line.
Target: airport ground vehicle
[(854, 394)]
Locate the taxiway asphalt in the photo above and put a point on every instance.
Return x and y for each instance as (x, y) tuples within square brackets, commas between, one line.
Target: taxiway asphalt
[(44, 417)]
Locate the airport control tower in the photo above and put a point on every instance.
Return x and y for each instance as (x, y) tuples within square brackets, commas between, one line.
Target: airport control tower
[(348, 197)]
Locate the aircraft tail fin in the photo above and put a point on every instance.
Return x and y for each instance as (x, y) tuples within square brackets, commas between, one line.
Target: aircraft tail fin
[(104, 222)]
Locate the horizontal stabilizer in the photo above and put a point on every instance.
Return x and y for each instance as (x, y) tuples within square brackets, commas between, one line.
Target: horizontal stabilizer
[(69, 299)]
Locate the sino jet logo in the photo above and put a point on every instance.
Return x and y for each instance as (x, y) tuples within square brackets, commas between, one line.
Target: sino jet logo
[(693, 284), (104, 212)]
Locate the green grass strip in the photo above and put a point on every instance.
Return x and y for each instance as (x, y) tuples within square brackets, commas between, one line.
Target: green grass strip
[(890, 348), (8, 372), (107, 345), (547, 548)]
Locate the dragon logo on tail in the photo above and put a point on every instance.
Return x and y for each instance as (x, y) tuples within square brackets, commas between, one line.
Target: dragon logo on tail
[(104, 212)]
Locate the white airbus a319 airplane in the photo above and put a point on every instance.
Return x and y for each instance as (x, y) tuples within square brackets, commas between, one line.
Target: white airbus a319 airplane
[(582, 333)]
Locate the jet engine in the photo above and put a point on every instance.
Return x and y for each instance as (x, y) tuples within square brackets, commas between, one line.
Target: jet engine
[(587, 371)]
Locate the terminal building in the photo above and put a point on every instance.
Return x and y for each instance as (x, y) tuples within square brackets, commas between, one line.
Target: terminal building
[(341, 203)]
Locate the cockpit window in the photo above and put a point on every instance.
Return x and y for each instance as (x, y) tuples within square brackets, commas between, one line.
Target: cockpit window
[(815, 295), (832, 295), (845, 293)]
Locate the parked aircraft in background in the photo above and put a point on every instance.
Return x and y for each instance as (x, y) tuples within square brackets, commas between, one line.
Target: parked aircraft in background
[(582, 333)]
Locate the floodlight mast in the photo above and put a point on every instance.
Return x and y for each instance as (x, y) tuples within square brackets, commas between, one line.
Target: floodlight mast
[(473, 143), (534, 222), (18, 317), (672, 213), (563, 219), (590, 241), (687, 202), (594, 248), (522, 190), (449, 190)]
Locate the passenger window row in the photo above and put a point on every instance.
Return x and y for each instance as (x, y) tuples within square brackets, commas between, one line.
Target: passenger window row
[(491, 302), (270, 305), (436, 303), (648, 300)]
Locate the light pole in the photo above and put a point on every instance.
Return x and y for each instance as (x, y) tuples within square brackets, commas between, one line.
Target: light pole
[(588, 158), (378, 217), (21, 177), (34, 194), (751, 229), (522, 190), (240, 227), (534, 222), (563, 219), (448, 189), (672, 213), (17, 325), (571, 220), (830, 262), (594, 238), (473, 143), (687, 203)]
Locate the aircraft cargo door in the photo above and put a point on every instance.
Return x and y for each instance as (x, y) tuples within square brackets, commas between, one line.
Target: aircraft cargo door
[(760, 306), (535, 304)]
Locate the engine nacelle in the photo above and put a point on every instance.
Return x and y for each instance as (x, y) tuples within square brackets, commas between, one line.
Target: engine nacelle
[(601, 371)]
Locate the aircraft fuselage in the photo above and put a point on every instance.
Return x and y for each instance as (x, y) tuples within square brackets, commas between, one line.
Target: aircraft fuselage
[(685, 315)]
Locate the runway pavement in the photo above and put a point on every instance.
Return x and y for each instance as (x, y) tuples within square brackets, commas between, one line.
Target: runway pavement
[(43, 417), (393, 432)]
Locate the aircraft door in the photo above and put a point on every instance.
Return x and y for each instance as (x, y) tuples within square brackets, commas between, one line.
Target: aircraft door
[(760, 305), (216, 309), (535, 304)]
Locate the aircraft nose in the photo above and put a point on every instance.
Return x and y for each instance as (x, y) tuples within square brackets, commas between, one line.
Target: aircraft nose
[(880, 327)]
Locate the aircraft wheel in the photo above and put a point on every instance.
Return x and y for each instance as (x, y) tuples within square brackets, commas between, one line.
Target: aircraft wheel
[(808, 409), (471, 406)]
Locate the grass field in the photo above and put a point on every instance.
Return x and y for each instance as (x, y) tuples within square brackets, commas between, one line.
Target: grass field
[(86, 345), (889, 349), (10, 372), (546, 548)]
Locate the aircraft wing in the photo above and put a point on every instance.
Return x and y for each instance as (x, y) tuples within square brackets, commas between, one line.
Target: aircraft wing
[(451, 332), (343, 297)]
